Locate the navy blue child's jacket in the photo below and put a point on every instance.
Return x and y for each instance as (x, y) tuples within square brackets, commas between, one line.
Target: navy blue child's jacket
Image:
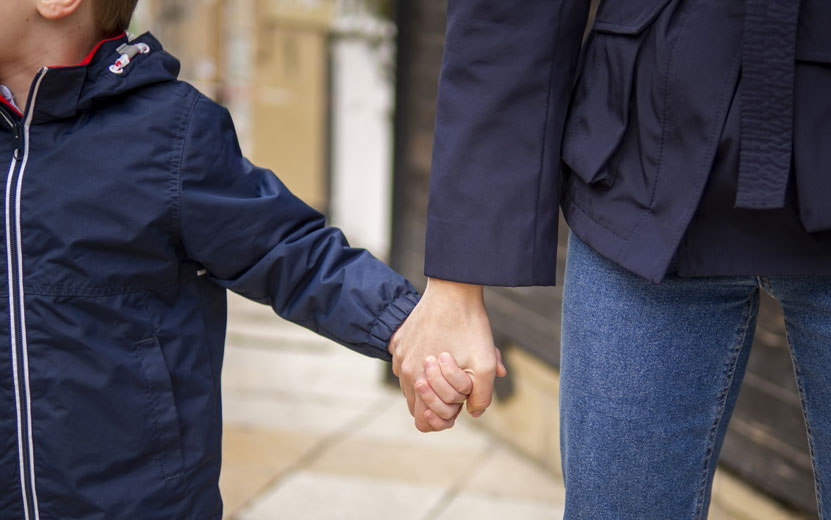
[(128, 212)]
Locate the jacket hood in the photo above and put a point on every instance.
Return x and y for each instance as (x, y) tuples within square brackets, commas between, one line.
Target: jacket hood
[(64, 91)]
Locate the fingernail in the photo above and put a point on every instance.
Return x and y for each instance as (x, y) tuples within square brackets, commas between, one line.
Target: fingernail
[(476, 415), (430, 362), (421, 387), (444, 357)]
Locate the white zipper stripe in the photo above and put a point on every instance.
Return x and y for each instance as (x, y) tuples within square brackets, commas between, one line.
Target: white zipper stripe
[(25, 344), (13, 335)]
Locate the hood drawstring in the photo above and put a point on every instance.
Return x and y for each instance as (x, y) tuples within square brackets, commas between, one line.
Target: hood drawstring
[(127, 53), (9, 97)]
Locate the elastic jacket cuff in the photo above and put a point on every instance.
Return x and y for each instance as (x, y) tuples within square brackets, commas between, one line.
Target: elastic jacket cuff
[(388, 322)]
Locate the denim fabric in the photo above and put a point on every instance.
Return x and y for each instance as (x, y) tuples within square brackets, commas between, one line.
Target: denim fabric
[(650, 375)]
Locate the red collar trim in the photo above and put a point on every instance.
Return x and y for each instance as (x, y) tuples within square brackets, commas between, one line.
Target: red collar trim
[(16, 111), (86, 61), (91, 54)]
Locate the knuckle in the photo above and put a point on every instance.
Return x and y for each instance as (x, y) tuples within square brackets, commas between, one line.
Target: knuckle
[(434, 377), (407, 371), (445, 414), (461, 391), (449, 396), (438, 424), (485, 361), (488, 370), (453, 413), (429, 398)]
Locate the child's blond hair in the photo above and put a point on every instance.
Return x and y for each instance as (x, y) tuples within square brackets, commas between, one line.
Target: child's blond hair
[(113, 16)]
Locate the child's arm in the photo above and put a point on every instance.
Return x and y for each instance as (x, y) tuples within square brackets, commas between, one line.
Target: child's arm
[(256, 238)]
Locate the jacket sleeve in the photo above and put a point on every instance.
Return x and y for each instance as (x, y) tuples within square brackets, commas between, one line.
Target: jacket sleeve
[(257, 239), (503, 94)]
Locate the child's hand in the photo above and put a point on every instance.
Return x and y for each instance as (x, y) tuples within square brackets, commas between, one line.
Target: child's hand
[(447, 386), (444, 390)]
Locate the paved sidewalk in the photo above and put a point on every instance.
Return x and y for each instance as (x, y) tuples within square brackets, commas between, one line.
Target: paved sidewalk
[(312, 433)]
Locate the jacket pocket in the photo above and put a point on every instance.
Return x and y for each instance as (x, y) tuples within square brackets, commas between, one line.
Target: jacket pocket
[(812, 115), (164, 419), (602, 97), (106, 426)]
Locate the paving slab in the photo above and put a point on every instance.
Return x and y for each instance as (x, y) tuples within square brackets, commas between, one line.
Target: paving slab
[(393, 460), (486, 507), (504, 473), (252, 458), (396, 423), (316, 496), (289, 414), (339, 376)]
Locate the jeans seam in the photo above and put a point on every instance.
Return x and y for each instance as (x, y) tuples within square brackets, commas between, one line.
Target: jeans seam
[(729, 374), (764, 283), (804, 401)]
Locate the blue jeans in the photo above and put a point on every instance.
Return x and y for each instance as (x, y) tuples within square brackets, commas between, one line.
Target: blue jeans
[(650, 374)]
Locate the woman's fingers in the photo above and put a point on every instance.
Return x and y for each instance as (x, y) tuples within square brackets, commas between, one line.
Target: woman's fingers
[(501, 371)]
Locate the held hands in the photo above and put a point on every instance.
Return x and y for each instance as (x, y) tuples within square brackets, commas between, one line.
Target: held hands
[(443, 355)]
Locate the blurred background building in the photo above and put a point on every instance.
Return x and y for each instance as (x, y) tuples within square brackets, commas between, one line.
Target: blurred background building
[(338, 98), (309, 84)]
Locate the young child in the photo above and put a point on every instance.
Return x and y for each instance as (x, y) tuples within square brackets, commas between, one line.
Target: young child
[(128, 212)]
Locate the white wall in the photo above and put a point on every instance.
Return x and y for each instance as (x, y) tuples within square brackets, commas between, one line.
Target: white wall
[(362, 119)]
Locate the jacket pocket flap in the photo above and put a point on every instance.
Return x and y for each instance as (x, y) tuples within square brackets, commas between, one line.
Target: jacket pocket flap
[(600, 109), (628, 17)]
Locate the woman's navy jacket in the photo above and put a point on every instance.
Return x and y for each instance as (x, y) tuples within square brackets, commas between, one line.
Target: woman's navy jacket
[(128, 211), (625, 133)]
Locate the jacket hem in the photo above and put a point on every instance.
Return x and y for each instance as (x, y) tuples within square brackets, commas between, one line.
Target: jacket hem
[(647, 252)]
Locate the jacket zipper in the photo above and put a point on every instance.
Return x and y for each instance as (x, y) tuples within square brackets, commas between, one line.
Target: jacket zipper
[(17, 312)]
